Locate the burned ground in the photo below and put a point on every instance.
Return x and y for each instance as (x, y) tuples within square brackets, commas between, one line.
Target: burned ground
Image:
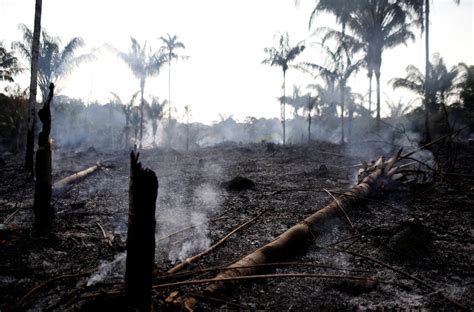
[(425, 232)]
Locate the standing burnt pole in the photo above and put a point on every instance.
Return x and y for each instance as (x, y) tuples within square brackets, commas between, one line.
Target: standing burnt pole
[(143, 192), (42, 200)]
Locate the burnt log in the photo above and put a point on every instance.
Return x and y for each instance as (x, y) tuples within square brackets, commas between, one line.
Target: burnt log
[(63, 184), (43, 211), (298, 237), (143, 192)]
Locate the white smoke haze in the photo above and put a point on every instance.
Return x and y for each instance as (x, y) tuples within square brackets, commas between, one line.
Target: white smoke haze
[(183, 221), (109, 269)]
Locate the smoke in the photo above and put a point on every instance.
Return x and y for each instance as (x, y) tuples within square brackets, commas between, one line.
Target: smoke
[(114, 268), (183, 224)]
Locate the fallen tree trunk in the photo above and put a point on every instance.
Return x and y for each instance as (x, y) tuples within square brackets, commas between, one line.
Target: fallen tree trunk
[(299, 236), (63, 184)]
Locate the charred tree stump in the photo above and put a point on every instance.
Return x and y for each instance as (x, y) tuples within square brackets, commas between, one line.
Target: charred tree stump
[(143, 192), (44, 213)]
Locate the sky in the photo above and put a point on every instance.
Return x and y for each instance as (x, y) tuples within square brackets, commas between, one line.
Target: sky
[(225, 42)]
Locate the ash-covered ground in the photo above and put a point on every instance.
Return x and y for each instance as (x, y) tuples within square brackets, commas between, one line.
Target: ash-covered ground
[(424, 231)]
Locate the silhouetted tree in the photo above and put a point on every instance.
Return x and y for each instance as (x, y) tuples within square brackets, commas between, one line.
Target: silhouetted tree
[(376, 25), (143, 64), (421, 9), (282, 56), (442, 84), (170, 45), (340, 67), (127, 111), (9, 66), (155, 112), (54, 63)]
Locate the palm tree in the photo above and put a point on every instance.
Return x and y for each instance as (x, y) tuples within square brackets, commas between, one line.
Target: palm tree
[(379, 24), (54, 63), (170, 44), (155, 112), (421, 8), (127, 111), (282, 56), (30, 136), (143, 64), (339, 68), (8, 64), (436, 90)]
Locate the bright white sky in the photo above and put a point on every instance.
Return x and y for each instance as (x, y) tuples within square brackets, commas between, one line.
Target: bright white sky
[(225, 42)]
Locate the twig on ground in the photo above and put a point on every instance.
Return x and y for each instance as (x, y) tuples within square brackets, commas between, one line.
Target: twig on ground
[(189, 261), (342, 209), (36, 289), (268, 276)]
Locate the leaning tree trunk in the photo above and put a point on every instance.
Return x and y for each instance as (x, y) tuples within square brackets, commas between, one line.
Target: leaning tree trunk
[(30, 134), (43, 185), (298, 237), (143, 192)]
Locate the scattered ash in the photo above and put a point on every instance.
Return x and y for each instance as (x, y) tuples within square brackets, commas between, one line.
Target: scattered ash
[(83, 256)]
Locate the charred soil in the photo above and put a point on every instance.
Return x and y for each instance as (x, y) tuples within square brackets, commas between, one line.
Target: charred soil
[(421, 237)]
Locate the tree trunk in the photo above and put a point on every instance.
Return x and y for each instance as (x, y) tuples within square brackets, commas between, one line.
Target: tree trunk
[(169, 88), (30, 136), (309, 128), (142, 104), (60, 186), (43, 185), (127, 130), (370, 94), (349, 126), (283, 118), (427, 135), (143, 192), (187, 137), (342, 87), (377, 80), (298, 237)]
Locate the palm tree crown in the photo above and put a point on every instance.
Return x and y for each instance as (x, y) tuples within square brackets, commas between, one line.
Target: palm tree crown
[(54, 63), (8, 64)]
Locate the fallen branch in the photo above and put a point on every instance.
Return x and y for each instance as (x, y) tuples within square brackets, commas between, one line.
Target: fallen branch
[(189, 261), (263, 266), (268, 276), (63, 184), (187, 228)]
